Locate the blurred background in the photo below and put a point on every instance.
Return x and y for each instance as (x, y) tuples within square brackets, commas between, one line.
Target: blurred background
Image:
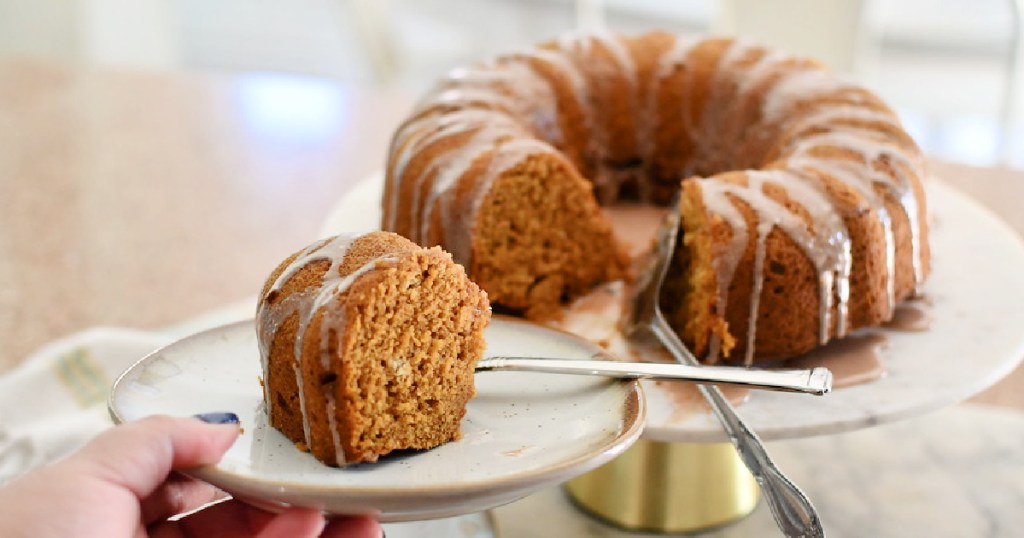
[(952, 68)]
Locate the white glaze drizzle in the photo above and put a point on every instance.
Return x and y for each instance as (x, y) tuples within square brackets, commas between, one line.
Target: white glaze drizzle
[(458, 223), (710, 127), (297, 368), (615, 46), (667, 63), (850, 173), (488, 124), (837, 257), (761, 69), (825, 116), (511, 84), (408, 142), (579, 50), (332, 422), (796, 86), (578, 84), (862, 175), (469, 96), (827, 245), (447, 167), (689, 123), (305, 304)]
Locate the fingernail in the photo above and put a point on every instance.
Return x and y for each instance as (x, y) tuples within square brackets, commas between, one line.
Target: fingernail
[(218, 418)]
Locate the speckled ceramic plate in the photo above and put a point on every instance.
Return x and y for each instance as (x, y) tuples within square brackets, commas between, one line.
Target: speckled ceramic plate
[(522, 432), (975, 337)]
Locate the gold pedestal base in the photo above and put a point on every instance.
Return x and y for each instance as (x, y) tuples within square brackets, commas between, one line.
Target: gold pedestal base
[(669, 487)]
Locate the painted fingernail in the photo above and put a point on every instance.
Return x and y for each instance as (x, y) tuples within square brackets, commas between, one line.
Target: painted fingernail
[(218, 418)]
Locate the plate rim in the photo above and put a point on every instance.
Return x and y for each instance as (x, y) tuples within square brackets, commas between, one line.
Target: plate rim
[(634, 407)]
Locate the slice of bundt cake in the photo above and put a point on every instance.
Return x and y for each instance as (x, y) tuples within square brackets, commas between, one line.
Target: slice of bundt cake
[(369, 344)]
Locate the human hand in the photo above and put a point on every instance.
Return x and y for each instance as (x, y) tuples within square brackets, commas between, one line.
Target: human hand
[(123, 484)]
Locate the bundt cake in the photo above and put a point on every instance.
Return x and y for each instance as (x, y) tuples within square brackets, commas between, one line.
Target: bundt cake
[(803, 211), (368, 345)]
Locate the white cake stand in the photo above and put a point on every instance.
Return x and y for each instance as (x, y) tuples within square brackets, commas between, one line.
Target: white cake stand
[(976, 290)]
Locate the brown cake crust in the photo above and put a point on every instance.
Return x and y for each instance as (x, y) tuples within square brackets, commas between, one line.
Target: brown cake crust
[(357, 367)]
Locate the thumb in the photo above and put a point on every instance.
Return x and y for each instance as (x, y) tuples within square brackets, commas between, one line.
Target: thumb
[(139, 455)]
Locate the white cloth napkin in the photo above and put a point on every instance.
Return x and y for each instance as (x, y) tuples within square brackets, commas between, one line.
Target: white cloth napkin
[(57, 398)]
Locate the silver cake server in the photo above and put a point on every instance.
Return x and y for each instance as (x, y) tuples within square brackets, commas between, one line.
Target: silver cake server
[(793, 511), (814, 381)]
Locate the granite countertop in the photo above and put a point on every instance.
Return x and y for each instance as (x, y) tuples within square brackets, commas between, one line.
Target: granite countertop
[(958, 472)]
